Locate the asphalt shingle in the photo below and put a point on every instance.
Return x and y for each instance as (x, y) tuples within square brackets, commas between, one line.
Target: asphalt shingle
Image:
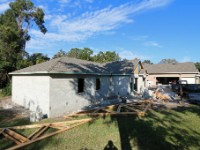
[(171, 68), (73, 65)]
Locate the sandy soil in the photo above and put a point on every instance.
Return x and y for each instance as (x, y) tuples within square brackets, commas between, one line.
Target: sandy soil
[(8, 108)]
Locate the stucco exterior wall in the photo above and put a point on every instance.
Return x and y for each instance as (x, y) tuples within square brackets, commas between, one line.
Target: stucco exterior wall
[(64, 97), (56, 95), (32, 92)]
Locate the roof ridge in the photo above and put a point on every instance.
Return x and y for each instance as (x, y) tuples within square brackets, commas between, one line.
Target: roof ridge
[(51, 68)]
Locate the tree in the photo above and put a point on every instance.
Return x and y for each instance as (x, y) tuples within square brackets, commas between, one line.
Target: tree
[(74, 53), (37, 58), (197, 64), (14, 26), (108, 56), (111, 56), (60, 53), (168, 61), (100, 57), (86, 54), (147, 62), (25, 14)]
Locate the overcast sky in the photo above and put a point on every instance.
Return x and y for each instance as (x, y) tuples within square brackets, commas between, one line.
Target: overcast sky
[(147, 29)]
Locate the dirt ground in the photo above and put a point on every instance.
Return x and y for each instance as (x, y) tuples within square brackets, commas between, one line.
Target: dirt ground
[(10, 111)]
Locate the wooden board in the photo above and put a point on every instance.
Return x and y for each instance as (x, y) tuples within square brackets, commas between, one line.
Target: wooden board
[(39, 132), (45, 124), (16, 135), (48, 135), (11, 138)]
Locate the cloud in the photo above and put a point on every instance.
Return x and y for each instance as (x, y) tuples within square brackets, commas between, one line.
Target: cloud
[(186, 59), (89, 1), (4, 6), (153, 44), (140, 38), (68, 29), (131, 55), (64, 1)]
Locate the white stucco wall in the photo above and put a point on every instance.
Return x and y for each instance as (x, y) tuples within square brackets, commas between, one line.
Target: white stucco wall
[(56, 95), (64, 97), (32, 92), (121, 85)]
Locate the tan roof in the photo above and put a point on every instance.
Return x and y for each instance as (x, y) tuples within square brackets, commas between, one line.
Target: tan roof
[(187, 67), (73, 65)]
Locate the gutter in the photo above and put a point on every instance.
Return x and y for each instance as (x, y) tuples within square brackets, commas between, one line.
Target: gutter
[(67, 73)]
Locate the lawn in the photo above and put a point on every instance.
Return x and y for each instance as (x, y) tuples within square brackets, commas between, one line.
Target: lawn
[(164, 129)]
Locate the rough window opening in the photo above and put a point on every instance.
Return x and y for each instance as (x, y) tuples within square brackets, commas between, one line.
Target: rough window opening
[(98, 84), (80, 85), (131, 85)]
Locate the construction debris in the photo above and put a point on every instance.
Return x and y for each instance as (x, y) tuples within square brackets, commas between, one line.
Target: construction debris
[(133, 108)]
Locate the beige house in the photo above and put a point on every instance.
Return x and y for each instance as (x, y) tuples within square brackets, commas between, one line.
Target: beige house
[(140, 75), (171, 73)]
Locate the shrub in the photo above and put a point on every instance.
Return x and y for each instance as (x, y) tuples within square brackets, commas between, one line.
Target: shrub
[(7, 90)]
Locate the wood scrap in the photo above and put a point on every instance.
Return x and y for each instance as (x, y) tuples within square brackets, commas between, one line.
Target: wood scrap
[(15, 135), (147, 107), (11, 138), (135, 108), (38, 132), (45, 124), (48, 135)]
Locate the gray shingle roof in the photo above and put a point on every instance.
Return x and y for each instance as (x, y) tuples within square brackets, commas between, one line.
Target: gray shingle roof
[(171, 68), (72, 65), (135, 62)]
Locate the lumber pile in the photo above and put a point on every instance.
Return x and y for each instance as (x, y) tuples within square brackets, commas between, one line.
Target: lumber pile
[(133, 108), (38, 134)]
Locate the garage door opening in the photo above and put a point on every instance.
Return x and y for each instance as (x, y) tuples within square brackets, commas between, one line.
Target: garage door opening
[(166, 80)]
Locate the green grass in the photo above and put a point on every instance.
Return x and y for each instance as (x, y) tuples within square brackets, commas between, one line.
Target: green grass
[(161, 129)]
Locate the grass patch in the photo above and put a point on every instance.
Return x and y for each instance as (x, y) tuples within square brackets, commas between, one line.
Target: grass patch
[(160, 129)]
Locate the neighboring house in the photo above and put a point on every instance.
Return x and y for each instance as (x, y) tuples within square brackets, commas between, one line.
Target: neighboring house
[(140, 75), (171, 73), (66, 85)]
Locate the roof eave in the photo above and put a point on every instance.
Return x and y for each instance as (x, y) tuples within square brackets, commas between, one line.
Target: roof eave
[(69, 73), (172, 72)]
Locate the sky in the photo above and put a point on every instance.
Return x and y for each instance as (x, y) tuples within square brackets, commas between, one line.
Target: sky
[(146, 29)]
